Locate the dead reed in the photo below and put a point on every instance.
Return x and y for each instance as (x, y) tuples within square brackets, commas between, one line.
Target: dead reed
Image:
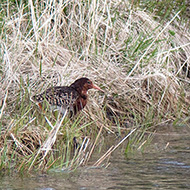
[(141, 64)]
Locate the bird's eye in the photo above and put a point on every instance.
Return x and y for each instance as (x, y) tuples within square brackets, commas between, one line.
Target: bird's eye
[(89, 82)]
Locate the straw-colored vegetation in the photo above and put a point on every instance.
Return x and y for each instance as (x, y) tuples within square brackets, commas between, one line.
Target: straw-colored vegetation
[(140, 62)]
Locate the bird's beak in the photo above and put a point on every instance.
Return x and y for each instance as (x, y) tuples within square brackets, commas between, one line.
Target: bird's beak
[(98, 88)]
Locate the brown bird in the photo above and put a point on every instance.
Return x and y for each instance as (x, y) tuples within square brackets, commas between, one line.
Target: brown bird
[(72, 98)]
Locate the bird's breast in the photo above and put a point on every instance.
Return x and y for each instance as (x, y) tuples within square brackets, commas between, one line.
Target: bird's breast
[(80, 104)]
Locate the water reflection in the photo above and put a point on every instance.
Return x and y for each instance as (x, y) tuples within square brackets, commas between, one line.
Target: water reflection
[(157, 168)]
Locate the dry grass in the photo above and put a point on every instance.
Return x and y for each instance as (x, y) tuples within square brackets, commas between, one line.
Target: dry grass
[(137, 61)]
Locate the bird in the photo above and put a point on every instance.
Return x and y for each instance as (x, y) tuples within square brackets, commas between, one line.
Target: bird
[(72, 98)]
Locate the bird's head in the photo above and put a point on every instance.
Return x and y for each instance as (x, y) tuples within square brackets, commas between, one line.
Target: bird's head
[(84, 84)]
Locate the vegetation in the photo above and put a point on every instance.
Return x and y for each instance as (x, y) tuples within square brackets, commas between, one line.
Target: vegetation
[(140, 62)]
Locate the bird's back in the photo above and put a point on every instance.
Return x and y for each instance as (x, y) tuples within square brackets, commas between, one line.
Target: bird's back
[(59, 97)]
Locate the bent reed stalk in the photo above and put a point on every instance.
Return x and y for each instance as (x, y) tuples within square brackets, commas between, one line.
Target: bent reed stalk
[(141, 64)]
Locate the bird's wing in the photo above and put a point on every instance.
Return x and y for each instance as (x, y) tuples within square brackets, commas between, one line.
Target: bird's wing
[(58, 96)]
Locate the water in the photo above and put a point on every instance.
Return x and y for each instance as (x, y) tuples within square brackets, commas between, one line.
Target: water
[(163, 165)]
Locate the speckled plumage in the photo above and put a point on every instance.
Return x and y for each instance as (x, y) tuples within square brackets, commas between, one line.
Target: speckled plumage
[(72, 98)]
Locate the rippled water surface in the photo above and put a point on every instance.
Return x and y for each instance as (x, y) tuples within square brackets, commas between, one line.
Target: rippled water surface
[(165, 165)]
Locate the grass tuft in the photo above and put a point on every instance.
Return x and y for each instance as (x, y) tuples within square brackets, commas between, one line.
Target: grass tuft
[(142, 65)]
